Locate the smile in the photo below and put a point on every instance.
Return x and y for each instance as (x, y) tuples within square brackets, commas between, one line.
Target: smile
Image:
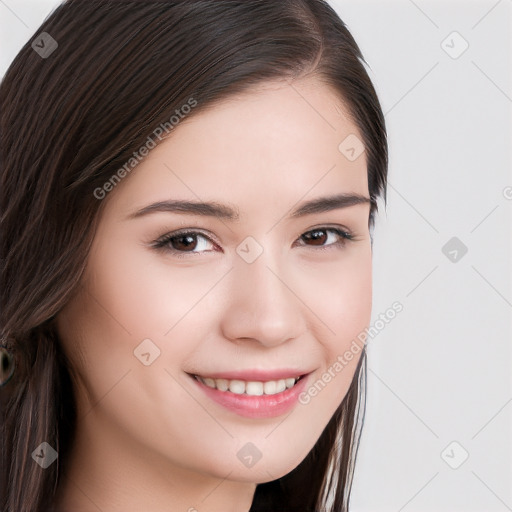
[(250, 388), (263, 398)]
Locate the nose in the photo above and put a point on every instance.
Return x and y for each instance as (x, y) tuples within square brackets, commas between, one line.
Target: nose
[(263, 306)]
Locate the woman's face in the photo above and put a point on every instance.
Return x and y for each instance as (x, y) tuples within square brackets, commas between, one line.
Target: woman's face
[(263, 289)]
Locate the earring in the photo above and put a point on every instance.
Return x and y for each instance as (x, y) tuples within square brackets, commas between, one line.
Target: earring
[(6, 366)]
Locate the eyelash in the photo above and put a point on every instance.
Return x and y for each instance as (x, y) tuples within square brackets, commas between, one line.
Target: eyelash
[(163, 242)]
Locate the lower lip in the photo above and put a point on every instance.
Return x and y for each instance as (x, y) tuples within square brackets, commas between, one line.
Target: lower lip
[(263, 406)]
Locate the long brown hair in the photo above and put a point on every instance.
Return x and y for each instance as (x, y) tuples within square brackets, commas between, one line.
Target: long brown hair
[(72, 117)]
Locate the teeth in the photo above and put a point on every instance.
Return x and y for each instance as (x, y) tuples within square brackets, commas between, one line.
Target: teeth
[(270, 387), (209, 382), (221, 384), (254, 388), (237, 387), (281, 386), (290, 382), (251, 388)]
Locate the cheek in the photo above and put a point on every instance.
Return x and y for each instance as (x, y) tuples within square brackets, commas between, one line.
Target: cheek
[(147, 294), (130, 296), (351, 307), (340, 296), (341, 300)]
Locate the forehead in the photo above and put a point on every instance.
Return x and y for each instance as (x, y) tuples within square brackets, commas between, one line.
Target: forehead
[(276, 143)]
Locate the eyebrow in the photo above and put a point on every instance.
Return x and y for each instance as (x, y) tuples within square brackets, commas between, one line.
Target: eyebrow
[(231, 213)]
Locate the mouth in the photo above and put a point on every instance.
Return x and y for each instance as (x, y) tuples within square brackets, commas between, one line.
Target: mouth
[(259, 397), (251, 387)]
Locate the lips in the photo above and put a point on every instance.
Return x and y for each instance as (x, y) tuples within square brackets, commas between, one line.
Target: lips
[(254, 394)]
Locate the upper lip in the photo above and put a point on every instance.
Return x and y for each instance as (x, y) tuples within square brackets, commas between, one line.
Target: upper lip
[(254, 374)]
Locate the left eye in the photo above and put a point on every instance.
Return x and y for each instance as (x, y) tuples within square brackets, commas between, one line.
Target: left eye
[(197, 242), (320, 235)]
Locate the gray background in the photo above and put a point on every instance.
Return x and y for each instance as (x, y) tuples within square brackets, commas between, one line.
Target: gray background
[(439, 379)]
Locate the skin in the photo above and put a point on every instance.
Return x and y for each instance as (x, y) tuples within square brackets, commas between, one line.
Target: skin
[(148, 438)]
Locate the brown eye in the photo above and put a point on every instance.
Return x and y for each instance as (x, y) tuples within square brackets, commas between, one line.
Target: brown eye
[(322, 237), (192, 242), (318, 236), (186, 242)]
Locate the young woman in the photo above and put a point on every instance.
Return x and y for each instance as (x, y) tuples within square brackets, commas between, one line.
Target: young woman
[(188, 195)]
